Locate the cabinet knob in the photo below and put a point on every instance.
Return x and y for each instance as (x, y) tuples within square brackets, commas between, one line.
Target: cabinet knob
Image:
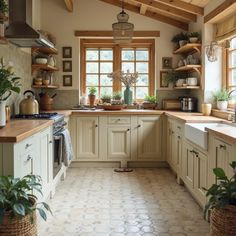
[(222, 146), (138, 126), (29, 158), (192, 151), (128, 130), (178, 137), (96, 126), (178, 127), (50, 141), (28, 145)]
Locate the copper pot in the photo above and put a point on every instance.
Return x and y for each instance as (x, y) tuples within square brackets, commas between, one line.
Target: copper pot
[(46, 102)]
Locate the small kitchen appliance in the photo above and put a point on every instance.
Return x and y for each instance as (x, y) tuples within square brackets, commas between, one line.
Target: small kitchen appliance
[(188, 104)]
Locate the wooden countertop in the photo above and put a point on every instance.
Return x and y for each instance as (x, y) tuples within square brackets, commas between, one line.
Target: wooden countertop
[(17, 130)]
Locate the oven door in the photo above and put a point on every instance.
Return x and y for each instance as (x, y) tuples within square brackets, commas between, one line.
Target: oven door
[(57, 159)]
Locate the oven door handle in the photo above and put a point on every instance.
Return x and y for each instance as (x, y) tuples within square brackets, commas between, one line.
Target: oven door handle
[(57, 137)]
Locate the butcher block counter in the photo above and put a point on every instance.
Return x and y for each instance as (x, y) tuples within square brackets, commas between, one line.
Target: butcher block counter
[(18, 130)]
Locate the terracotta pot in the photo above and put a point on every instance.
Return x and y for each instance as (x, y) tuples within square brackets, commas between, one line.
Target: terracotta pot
[(91, 100)]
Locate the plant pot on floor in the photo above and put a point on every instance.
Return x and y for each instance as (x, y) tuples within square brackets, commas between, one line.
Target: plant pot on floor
[(91, 100), (223, 221), (222, 105)]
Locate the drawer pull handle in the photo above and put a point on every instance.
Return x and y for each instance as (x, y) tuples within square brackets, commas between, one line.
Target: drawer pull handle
[(192, 151), (28, 145), (128, 130), (96, 126), (119, 119), (178, 127), (50, 141), (178, 137), (138, 126), (29, 158), (222, 146)]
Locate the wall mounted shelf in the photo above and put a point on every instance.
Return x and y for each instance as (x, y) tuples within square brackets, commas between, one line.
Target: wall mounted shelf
[(45, 86), (44, 67), (187, 87), (188, 48), (45, 50)]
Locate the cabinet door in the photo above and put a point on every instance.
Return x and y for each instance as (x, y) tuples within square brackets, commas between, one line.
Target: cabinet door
[(87, 138), (176, 151), (200, 176), (119, 142), (188, 165), (169, 141), (46, 160), (149, 138)]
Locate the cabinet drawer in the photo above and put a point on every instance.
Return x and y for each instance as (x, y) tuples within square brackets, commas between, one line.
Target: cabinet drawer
[(27, 144), (119, 120), (179, 128)]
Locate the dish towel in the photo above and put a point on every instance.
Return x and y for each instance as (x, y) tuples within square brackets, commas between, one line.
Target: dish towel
[(67, 151)]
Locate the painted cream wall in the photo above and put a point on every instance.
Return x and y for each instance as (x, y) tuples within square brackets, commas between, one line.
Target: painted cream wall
[(96, 15)]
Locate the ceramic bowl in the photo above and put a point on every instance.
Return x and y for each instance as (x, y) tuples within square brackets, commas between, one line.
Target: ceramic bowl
[(41, 61), (192, 81)]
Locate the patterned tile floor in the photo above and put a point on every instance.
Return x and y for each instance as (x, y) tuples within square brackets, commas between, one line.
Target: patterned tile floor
[(100, 202)]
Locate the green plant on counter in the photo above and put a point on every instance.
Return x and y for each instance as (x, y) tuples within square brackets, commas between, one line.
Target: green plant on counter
[(92, 90), (222, 95), (194, 35), (3, 7), (16, 197), (151, 99), (117, 95), (224, 192), (178, 37), (8, 82)]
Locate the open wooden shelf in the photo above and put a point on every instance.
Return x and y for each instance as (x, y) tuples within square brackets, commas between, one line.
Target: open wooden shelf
[(45, 50), (189, 47), (51, 86), (187, 87), (44, 67), (188, 68)]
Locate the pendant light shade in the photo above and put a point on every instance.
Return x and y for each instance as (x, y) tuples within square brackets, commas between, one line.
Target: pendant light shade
[(122, 30)]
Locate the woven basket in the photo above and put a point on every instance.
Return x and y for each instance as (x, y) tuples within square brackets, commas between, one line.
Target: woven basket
[(19, 226), (223, 221)]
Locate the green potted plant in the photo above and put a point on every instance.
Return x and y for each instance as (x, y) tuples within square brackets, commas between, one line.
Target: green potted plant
[(116, 98), (171, 77), (18, 205), (193, 37), (3, 9), (222, 203), (106, 98), (92, 96), (8, 84), (180, 39), (222, 97), (150, 102)]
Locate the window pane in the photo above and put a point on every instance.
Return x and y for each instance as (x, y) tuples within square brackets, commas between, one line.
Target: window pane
[(142, 55), (142, 67), (106, 67), (91, 67), (106, 55), (105, 81), (233, 43), (141, 92), (142, 80), (91, 54), (233, 59), (106, 90), (233, 82), (128, 66), (92, 80), (127, 55)]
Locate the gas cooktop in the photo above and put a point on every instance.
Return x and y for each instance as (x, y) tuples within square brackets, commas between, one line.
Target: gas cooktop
[(52, 116)]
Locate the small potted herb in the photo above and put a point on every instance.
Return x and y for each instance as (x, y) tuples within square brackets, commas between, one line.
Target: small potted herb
[(222, 97), (180, 39), (222, 203), (150, 102), (92, 96), (193, 37), (106, 98), (172, 76), (18, 205), (116, 98)]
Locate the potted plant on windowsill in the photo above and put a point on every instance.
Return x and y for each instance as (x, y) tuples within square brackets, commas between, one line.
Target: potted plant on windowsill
[(106, 98), (92, 96), (222, 203), (18, 205), (150, 102), (222, 97)]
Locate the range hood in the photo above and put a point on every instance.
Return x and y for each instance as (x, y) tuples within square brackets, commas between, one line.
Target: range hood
[(19, 32)]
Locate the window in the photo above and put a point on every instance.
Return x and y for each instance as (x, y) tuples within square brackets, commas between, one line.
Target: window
[(231, 68), (99, 57)]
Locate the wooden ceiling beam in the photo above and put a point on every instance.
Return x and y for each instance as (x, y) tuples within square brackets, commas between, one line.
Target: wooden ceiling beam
[(153, 15), (109, 33), (143, 9), (168, 9), (184, 6), (69, 5)]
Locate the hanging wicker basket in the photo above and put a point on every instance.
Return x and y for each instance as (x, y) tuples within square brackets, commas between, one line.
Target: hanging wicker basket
[(223, 221), (25, 226)]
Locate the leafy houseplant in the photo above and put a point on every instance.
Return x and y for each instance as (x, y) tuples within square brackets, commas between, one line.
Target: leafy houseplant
[(193, 37), (150, 102), (3, 8), (92, 96), (172, 76), (18, 204), (180, 39), (8, 84), (106, 98), (222, 202), (116, 98), (222, 97)]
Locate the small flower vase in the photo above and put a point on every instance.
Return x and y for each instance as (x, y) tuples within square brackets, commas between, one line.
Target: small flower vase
[(128, 96), (2, 114)]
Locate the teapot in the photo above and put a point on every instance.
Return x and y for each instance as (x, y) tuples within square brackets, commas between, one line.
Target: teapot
[(29, 105)]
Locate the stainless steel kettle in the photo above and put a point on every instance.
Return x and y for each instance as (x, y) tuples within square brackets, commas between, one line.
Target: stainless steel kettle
[(29, 105)]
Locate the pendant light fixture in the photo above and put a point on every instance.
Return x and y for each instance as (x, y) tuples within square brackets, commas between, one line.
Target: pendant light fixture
[(122, 30)]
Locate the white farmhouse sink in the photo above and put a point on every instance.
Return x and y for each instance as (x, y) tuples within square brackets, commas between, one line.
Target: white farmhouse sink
[(196, 133)]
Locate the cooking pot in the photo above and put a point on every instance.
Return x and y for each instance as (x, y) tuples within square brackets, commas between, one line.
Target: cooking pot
[(188, 104), (29, 105)]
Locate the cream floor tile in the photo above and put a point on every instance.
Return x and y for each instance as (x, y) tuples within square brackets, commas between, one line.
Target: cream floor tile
[(100, 202)]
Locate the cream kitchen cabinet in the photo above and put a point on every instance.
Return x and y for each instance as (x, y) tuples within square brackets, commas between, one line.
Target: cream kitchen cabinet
[(195, 169), (148, 138), (221, 154), (87, 138)]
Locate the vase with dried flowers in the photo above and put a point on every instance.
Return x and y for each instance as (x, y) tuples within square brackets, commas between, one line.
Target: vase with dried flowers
[(128, 79)]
